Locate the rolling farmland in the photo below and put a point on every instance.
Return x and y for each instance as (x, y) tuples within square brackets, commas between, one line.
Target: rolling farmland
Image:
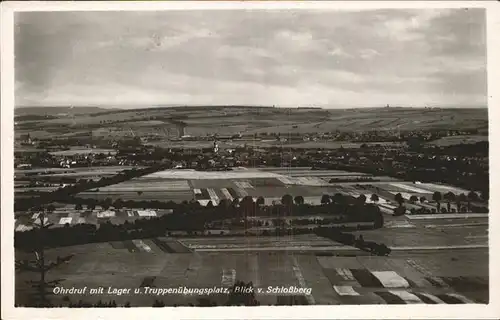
[(335, 273), (201, 121), (205, 187)]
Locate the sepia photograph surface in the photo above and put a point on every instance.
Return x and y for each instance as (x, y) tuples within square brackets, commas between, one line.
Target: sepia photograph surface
[(250, 157)]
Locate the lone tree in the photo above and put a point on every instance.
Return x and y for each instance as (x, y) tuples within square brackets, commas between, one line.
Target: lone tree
[(42, 287), (399, 199), (235, 203), (471, 197), (224, 204), (247, 206), (339, 198), (436, 196), (118, 204), (287, 200), (260, 201), (299, 200), (423, 199), (325, 199), (91, 206), (449, 197), (485, 194), (413, 199), (461, 198), (361, 199), (106, 204), (378, 221), (374, 198)]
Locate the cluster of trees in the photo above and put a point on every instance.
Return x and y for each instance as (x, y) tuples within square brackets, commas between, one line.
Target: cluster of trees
[(350, 240), (464, 203), (339, 198), (459, 200), (354, 209)]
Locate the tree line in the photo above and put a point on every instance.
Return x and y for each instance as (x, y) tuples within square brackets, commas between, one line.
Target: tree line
[(196, 219), (464, 203)]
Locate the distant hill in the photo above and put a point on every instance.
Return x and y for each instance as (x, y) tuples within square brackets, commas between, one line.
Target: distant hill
[(42, 110), (246, 120)]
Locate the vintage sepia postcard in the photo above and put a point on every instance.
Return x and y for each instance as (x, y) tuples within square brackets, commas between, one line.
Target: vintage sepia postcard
[(249, 160)]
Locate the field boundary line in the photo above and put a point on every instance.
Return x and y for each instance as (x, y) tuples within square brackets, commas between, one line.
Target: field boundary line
[(184, 245), (466, 246), (302, 281), (447, 216)]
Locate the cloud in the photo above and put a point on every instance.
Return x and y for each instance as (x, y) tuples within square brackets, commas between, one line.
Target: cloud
[(328, 58), (368, 53), (412, 27), (338, 52)]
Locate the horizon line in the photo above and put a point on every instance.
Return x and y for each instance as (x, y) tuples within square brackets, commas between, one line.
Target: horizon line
[(124, 107)]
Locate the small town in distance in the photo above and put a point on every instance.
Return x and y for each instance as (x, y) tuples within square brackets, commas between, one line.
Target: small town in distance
[(381, 205)]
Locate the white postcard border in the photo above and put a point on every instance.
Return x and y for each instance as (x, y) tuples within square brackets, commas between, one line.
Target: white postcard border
[(297, 312)]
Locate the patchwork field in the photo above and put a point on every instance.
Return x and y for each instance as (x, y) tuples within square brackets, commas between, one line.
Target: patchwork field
[(180, 185), (270, 183), (332, 280)]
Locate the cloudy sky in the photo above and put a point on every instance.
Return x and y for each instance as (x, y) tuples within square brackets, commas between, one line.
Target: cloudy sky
[(284, 58)]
